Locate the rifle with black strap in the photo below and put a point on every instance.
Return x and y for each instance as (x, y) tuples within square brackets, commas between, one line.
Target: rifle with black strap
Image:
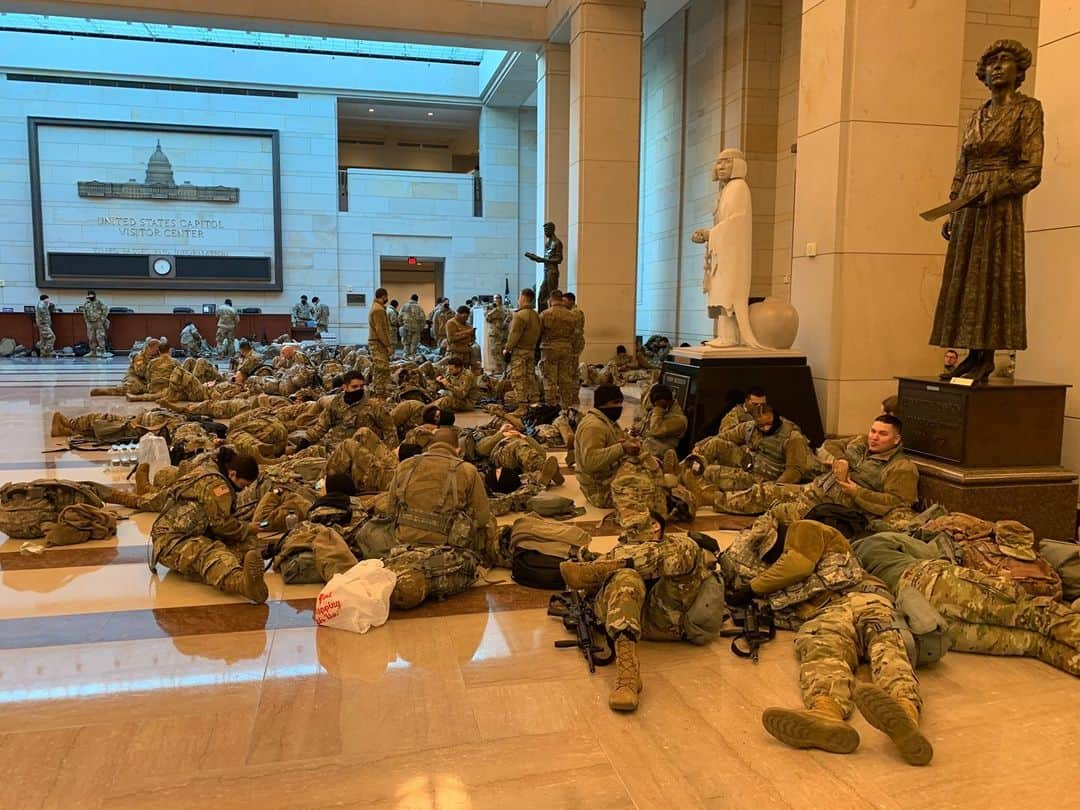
[(576, 611), (754, 627)]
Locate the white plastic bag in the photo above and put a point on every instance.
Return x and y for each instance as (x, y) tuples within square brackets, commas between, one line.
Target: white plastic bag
[(153, 450), (357, 600)]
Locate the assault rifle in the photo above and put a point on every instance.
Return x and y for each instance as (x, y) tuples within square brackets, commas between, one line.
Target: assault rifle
[(576, 611), (755, 628)]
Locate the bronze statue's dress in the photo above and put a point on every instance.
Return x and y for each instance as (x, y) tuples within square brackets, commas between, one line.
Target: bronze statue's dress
[(981, 303)]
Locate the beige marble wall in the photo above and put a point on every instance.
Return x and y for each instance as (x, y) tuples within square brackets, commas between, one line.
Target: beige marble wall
[(1053, 220), (552, 138), (876, 142), (605, 116)]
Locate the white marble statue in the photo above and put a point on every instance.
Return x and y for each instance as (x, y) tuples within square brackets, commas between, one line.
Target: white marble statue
[(728, 254)]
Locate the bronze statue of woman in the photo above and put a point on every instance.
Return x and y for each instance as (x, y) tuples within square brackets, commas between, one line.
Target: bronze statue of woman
[(981, 306)]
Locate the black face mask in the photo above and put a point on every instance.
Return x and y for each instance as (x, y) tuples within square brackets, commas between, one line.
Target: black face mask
[(612, 412), (352, 397)]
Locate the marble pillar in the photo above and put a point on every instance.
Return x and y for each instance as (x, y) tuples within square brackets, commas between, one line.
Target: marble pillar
[(552, 145), (879, 91), (1052, 220), (605, 116)]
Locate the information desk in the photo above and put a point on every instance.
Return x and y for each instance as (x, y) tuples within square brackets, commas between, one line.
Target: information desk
[(127, 327)]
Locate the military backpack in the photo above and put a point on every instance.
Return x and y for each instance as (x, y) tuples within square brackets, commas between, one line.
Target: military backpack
[(26, 506), (537, 546)]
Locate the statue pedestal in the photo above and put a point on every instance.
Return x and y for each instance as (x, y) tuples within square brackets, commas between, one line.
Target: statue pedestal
[(1005, 423), (483, 339), (992, 450), (709, 381)]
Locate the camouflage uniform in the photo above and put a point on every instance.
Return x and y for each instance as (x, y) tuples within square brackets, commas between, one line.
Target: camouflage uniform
[(610, 478), (184, 387), (96, 315), (413, 321), (380, 345), (339, 421), (557, 368), (426, 496), (302, 313), (258, 432), (513, 451), (439, 318), (322, 317), (159, 373), (743, 456), (660, 430), (818, 588), (248, 364), (521, 343), (497, 333), (197, 535), (577, 347), (736, 416), (191, 341), (43, 319), (227, 321), (459, 340), (651, 599), (461, 392), (886, 483), (365, 459), (393, 317)]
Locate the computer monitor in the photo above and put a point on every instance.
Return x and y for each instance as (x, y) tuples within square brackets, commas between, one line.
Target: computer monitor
[(209, 309)]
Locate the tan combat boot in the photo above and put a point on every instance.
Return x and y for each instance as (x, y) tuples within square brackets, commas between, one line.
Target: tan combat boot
[(821, 726), (897, 718), (588, 576), (61, 425), (142, 479), (624, 696), (122, 497), (248, 580)]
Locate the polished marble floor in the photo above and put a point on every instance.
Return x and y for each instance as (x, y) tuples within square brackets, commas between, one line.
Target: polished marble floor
[(120, 688)]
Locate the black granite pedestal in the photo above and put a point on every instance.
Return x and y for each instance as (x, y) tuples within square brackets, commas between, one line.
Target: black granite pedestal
[(709, 382)]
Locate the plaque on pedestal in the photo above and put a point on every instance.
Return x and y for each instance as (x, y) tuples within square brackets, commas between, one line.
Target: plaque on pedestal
[(1004, 423), (708, 382)]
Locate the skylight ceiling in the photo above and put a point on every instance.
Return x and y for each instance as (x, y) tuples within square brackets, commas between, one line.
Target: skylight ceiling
[(223, 37)]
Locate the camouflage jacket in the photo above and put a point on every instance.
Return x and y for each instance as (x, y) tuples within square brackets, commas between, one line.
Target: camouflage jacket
[(379, 327), (496, 319), (661, 430), (339, 421), (95, 312), (459, 337), (735, 416), (412, 317), (783, 457), (557, 327), (301, 313), (598, 449), (886, 481), (524, 330), (200, 504), (577, 342), (43, 314), (227, 317)]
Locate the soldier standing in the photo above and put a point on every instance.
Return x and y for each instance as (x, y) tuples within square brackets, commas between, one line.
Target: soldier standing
[(577, 343), (460, 336), (302, 312), (393, 315), (552, 258), (412, 324), (227, 321), (321, 315), (43, 319), (557, 367), (495, 318), (520, 351), (380, 344), (439, 320), (96, 315), (198, 535)]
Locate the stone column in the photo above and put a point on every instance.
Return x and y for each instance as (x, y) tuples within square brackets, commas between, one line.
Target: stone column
[(605, 120), (1053, 221), (552, 139), (879, 92)]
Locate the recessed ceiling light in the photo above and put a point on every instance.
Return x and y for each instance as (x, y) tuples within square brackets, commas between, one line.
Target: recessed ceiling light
[(430, 114), (371, 109)]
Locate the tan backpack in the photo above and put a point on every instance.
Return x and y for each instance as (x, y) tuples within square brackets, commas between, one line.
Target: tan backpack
[(26, 506)]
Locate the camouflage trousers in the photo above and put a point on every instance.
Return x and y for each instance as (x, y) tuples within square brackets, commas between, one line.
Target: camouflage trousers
[(202, 369), (649, 600), (185, 387), (365, 459), (225, 340), (268, 438), (47, 341), (219, 408), (380, 370), (429, 572), (994, 616), (853, 627), (520, 454), (452, 404), (523, 387), (104, 427), (516, 501), (786, 502), (198, 558), (411, 338), (715, 450), (96, 337), (634, 490), (559, 374), (497, 347)]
